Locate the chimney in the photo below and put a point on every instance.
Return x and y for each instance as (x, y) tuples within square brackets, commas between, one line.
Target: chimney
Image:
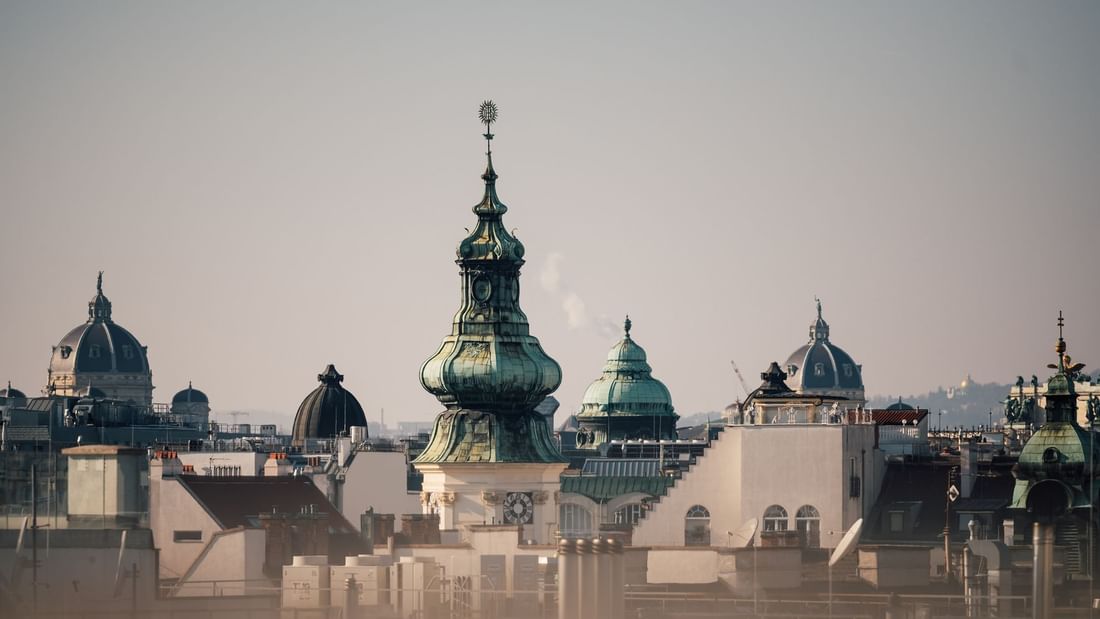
[(165, 464), (277, 465)]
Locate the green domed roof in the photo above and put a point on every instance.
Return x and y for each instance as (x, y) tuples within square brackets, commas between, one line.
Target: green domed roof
[(490, 372), (1060, 454), (627, 386)]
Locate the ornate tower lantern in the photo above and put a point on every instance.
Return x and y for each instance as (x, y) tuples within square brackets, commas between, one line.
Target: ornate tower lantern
[(490, 457)]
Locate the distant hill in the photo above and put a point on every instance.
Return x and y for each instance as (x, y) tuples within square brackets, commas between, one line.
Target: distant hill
[(966, 405)]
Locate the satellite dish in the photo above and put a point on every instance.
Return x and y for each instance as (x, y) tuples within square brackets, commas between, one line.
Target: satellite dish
[(847, 543), (742, 537)]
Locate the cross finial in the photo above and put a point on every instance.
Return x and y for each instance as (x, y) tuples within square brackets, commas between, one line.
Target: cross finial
[(99, 283), (1060, 347), (626, 325), (487, 113)]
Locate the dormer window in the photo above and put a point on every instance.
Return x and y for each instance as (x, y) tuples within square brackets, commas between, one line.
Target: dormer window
[(792, 369), (66, 351), (819, 369), (128, 352), (94, 351), (848, 370)]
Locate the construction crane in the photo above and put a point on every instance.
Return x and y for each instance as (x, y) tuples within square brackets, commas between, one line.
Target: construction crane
[(744, 385)]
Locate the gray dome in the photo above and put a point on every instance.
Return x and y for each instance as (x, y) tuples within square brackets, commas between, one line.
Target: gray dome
[(900, 406), (190, 395), (99, 345), (821, 365), (12, 393), (328, 411)]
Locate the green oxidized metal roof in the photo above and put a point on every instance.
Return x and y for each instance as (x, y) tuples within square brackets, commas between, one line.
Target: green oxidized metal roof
[(627, 386), (468, 436), (1060, 450), (490, 372), (602, 489)]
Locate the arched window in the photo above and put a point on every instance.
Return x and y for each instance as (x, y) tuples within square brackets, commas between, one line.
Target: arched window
[(697, 526), (808, 521), (775, 518), (576, 521), (628, 514)]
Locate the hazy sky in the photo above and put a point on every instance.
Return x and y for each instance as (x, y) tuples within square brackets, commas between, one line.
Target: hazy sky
[(271, 187)]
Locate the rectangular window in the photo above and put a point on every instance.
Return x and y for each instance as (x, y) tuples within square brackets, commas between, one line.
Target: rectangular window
[(897, 522), (186, 536)]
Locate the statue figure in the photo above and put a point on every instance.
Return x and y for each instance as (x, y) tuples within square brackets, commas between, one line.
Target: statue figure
[(1093, 409), (1028, 410), (1012, 409)]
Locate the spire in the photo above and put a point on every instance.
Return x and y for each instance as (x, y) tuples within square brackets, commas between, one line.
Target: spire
[(487, 113), (99, 308), (626, 326), (1060, 347), (818, 307), (1061, 397), (490, 204)]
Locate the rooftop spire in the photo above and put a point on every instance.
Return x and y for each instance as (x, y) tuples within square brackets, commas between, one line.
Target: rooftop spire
[(1060, 347), (626, 325), (99, 283), (818, 301), (487, 113)]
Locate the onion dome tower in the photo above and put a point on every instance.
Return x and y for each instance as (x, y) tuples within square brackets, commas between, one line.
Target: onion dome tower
[(820, 367), (626, 402), (1058, 469), (490, 373), (191, 407), (328, 411), (101, 353)]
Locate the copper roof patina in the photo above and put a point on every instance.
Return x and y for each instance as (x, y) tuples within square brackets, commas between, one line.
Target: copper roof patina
[(627, 387), (1061, 457), (490, 372)]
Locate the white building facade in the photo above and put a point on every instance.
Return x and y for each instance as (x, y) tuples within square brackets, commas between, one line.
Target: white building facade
[(815, 479)]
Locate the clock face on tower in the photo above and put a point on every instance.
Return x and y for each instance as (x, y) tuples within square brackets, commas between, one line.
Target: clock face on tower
[(519, 508)]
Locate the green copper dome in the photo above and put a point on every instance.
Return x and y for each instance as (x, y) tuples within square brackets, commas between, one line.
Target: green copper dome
[(1060, 454), (626, 401), (490, 372)]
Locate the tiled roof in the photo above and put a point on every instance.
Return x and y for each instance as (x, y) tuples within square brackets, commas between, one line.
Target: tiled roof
[(605, 488), (622, 467), (885, 417), (26, 433), (236, 501)]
